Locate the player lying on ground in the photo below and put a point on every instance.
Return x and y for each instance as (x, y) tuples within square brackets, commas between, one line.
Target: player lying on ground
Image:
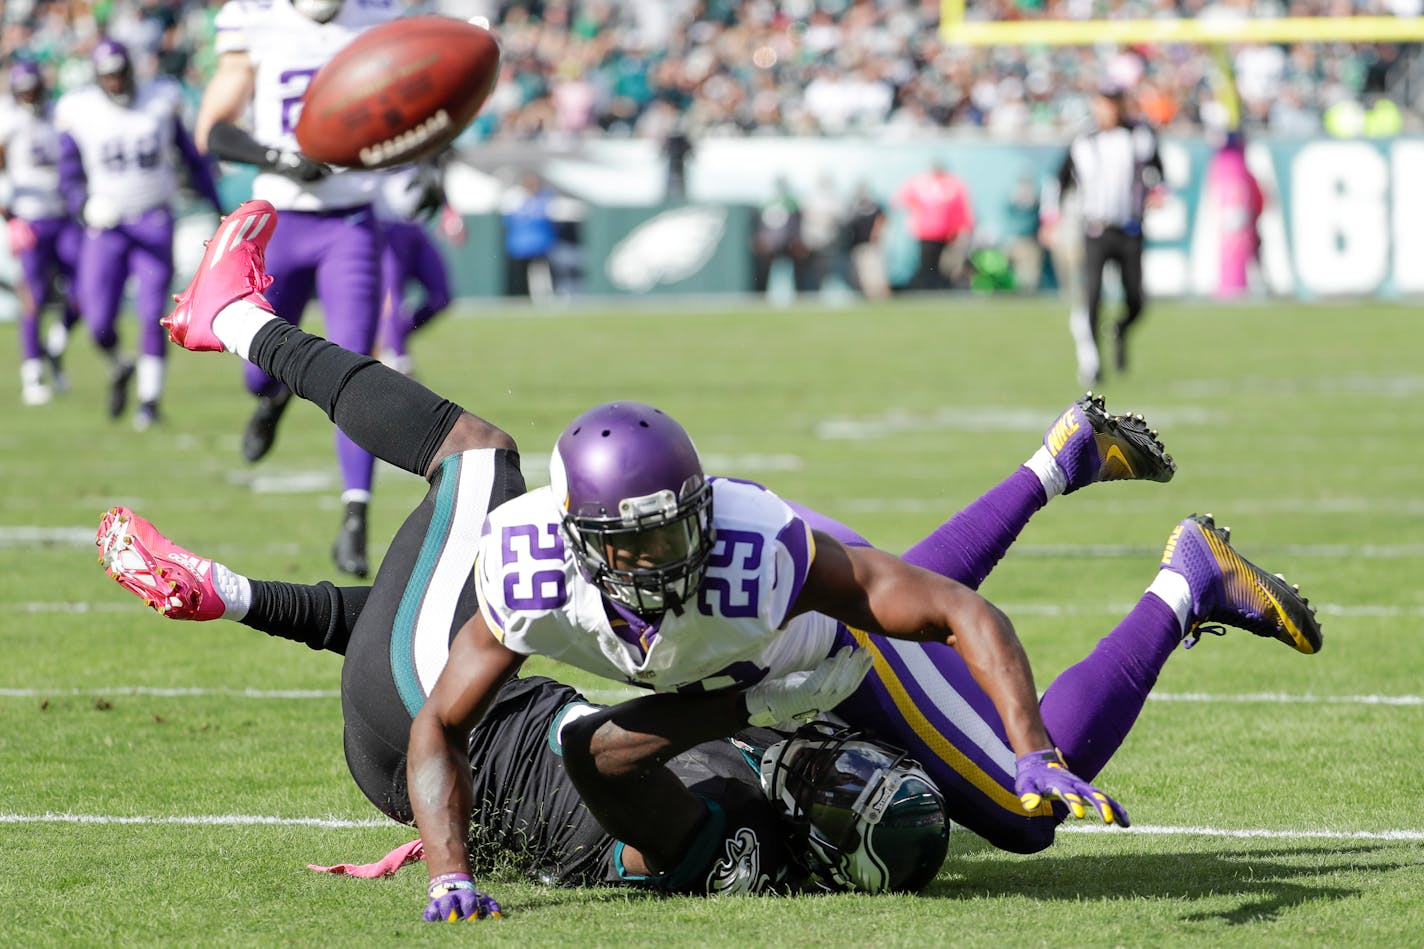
[(660, 726)]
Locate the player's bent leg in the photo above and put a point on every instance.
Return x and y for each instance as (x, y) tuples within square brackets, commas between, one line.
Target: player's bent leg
[(1084, 445), (381, 410), (1225, 587), (921, 697), (423, 593), (1091, 706)]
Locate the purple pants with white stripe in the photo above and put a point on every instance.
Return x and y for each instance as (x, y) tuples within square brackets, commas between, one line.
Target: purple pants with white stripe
[(56, 253), (143, 249), (922, 697), (336, 257)]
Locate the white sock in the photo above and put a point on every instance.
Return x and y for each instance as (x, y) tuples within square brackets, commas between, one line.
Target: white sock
[(56, 339), (150, 378), (1172, 588), (356, 494), (1050, 474), (1083, 343), (236, 325), (234, 590), (31, 372)]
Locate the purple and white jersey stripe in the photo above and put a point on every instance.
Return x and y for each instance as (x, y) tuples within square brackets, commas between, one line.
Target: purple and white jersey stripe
[(31, 146), (536, 601), (286, 49)]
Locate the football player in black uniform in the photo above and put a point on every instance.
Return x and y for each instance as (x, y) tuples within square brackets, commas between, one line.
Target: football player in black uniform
[(821, 807)]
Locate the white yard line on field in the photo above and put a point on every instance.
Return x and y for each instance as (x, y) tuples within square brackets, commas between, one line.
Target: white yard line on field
[(333, 823), (175, 692), (618, 694), (1244, 833)]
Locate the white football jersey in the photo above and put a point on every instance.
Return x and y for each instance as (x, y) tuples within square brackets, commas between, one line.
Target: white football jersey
[(536, 601), (31, 146), (130, 159), (286, 49)]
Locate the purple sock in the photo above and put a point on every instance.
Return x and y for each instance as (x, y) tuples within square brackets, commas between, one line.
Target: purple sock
[(968, 545), (1090, 708), (356, 463)]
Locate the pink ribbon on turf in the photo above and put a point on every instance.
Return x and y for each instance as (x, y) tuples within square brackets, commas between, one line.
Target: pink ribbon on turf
[(413, 852)]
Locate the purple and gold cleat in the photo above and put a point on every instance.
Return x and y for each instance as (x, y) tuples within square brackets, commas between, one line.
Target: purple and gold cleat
[(1091, 446), (1228, 588)]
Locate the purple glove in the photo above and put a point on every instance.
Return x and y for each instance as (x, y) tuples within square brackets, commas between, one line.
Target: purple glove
[(1043, 774), (453, 897)]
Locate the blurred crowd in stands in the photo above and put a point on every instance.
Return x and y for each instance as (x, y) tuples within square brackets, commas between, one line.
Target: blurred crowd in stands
[(654, 68)]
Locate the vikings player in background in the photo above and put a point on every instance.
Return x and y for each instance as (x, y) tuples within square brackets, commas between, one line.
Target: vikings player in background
[(121, 142), (328, 242), (408, 197), (42, 235)]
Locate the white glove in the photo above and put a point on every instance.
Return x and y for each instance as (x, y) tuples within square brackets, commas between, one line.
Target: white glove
[(801, 696), (101, 214)]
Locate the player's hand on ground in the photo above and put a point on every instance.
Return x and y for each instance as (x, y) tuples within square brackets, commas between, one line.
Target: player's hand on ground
[(453, 897), (297, 166), (801, 696), (1044, 774)]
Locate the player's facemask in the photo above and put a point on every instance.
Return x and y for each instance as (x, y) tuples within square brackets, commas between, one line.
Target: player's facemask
[(321, 11), (865, 816)]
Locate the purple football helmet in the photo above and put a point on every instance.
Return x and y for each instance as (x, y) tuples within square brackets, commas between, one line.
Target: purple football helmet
[(637, 506), (113, 67), (26, 81)]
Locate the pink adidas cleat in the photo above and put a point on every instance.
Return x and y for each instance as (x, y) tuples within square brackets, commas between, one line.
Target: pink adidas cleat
[(232, 269), (168, 578)]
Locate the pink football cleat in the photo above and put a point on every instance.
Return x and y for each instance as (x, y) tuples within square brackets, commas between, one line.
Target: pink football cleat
[(232, 268), (168, 578)]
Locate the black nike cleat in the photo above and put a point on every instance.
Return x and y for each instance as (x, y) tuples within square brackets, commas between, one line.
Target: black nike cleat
[(349, 551), (1090, 445), (262, 427), (119, 388), (1228, 588)]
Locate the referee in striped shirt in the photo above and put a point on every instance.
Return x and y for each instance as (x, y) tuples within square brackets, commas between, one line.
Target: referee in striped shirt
[(1118, 173)]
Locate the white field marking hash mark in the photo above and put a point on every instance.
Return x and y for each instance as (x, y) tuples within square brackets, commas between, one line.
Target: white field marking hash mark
[(334, 823)]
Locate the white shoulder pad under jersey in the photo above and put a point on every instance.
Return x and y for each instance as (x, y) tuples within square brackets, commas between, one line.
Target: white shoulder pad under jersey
[(536, 601), (128, 151), (31, 147), (286, 49)]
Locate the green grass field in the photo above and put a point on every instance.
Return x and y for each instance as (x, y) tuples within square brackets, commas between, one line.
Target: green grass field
[(166, 784)]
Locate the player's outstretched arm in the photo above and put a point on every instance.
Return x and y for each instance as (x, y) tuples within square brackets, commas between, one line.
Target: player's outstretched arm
[(226, 95), (876, 592), (438, 767)]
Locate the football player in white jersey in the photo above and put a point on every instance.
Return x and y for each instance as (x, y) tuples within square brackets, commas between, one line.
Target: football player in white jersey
[(739, 607), (121, 144), (328, 243), (42, 235)]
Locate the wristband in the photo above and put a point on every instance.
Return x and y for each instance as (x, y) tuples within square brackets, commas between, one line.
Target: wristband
[(448, 882)]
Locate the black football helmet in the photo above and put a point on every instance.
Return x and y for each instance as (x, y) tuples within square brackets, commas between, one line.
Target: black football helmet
[(866, 816)]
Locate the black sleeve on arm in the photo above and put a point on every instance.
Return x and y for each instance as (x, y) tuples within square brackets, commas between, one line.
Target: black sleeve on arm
[(393, 417), (230, 143), (320, 616)]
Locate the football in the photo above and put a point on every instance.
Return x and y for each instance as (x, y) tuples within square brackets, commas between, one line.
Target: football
[(398, 92)]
